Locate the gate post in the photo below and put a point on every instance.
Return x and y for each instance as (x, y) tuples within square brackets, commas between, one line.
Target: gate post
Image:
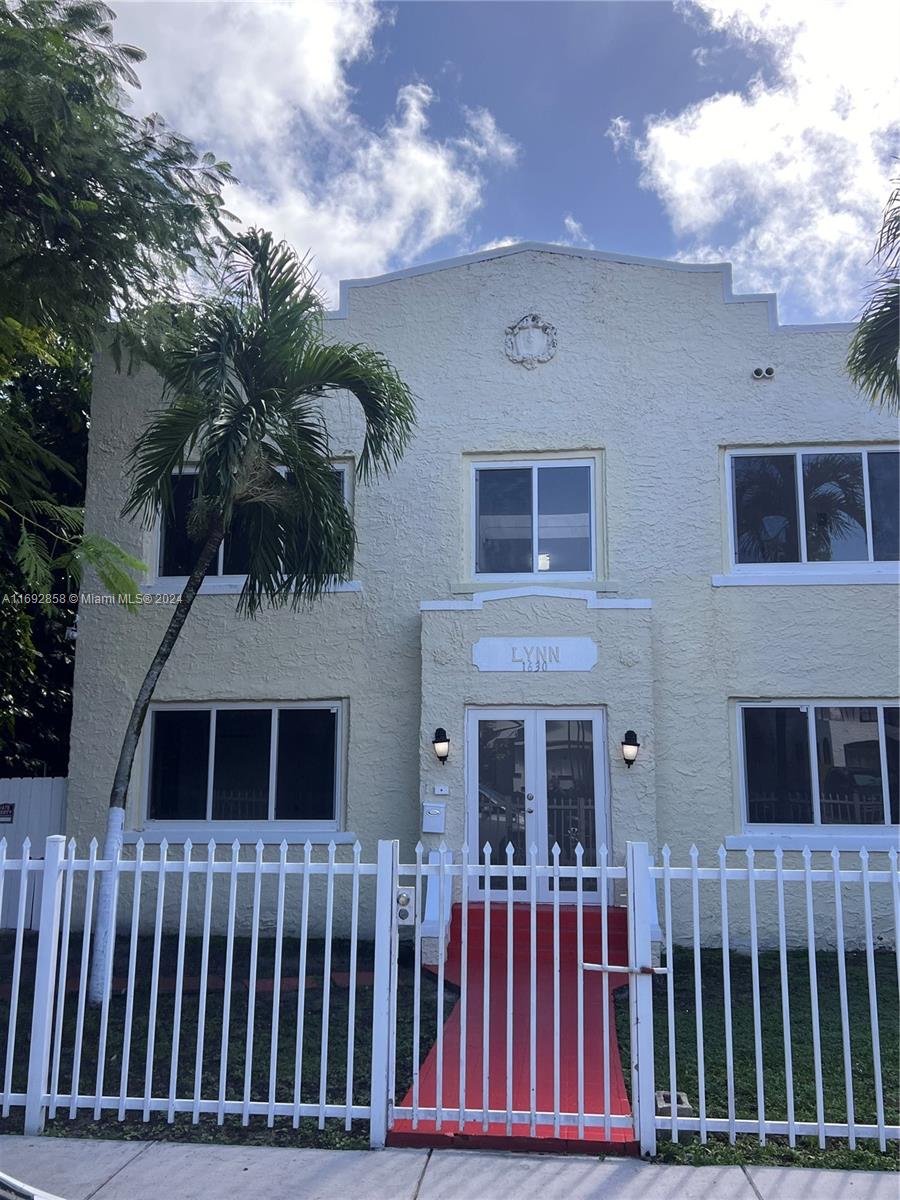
[(383, 985), (44, 984), (640, 994)]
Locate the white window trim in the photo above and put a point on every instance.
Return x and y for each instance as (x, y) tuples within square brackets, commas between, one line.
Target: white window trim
[(534, 464), (229, 585), (883, 571), (815, 835), (799, 837), (772, 576), (270, 830)]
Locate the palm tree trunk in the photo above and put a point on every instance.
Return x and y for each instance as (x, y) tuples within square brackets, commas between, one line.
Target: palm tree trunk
[(112, 844)]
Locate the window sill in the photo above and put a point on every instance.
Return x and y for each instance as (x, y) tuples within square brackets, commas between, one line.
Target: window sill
[(878, 838), (475, 598), (224, 833), (223, 585), (792, 578), (493, 583)]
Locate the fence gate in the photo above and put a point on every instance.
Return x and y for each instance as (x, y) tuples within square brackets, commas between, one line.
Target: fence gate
[(507, 1029)]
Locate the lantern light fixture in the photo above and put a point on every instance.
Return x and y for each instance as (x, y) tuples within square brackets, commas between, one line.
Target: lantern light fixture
[(441, 743), (630, 747)]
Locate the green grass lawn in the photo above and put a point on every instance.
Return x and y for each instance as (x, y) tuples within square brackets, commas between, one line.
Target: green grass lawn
[(689, 1149), (334, 1134), (207, 1129)]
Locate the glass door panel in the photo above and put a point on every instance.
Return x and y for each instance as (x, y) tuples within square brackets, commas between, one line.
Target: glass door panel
[(501, 794), (571, 812)]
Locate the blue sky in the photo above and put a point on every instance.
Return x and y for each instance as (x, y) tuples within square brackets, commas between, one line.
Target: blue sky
[(382, 136), (554, 77)]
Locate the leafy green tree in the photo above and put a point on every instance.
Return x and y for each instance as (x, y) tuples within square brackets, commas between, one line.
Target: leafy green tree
[(99, 211), (41, 492), (247, 375), (37, 648), (874, 358)]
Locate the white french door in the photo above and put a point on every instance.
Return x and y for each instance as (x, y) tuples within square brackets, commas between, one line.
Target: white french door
[(536, 777)]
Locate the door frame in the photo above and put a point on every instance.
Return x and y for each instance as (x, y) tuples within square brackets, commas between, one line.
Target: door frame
[(536, 770)]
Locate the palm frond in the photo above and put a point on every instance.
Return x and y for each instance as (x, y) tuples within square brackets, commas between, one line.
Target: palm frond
[(872, 360), (887, 247), (161, 452), (386, 401), (245, 374)]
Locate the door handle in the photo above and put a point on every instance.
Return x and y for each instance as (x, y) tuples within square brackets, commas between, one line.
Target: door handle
[(529, 795), (529, 810)]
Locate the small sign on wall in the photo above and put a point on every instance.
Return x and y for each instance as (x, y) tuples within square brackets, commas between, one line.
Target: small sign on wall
[(534, 655), (7, 812)]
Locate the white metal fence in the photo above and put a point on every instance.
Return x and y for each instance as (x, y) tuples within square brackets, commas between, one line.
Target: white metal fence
[(840, 898), (324, 987)]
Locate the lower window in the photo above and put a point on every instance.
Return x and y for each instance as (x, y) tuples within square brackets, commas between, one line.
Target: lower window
[(821, 764), (245, 763)]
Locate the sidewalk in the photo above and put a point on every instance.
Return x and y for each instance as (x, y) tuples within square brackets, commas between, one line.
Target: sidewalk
[(88, 1169)]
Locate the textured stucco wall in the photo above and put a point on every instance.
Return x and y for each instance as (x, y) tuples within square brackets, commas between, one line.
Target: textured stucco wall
[(653, 375)]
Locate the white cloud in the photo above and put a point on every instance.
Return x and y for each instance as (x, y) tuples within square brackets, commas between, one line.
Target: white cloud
[(265, 85), (788, 178), (575, 235), (485, 140), (499, 243), (619, 133)]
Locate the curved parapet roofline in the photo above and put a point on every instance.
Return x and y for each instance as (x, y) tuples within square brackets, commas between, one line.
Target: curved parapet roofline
[(770, 299)]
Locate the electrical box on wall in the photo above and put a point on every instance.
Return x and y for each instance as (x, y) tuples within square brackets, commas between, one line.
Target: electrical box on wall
[(434, 814)]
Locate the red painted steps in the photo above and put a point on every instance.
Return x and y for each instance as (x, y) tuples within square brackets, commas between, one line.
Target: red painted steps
[(598, 990)]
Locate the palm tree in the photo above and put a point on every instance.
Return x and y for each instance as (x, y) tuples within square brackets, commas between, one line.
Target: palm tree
[(245, 375), (873, 360)]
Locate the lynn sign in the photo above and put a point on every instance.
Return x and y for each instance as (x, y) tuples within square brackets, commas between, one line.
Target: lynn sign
[(535, 654)]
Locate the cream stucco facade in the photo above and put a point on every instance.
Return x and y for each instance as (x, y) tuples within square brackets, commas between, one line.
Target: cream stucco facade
[(652, 383)]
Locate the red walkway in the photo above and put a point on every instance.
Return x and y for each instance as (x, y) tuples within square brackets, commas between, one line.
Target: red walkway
[(596, 992)]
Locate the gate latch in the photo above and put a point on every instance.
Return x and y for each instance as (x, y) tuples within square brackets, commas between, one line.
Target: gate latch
[(612, 969)]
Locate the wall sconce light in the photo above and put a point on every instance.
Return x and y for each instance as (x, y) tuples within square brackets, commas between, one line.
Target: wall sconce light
[(441, 744), (630, 747)]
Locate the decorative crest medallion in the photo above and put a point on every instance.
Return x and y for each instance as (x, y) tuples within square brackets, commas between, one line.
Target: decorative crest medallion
[(530, 341)]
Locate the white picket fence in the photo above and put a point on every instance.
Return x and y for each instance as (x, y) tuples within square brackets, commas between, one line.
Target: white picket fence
[(289, 988)]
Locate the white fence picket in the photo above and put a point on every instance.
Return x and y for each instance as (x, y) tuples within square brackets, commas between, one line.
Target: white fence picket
[(12, 1027), (842, 986), (698, 992), (814, 996), (726, 994), (463, 983), (874, 1031), (326, 983), (276, 980), (204, 978)]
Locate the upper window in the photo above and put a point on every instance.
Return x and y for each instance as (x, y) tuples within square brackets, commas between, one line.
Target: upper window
[(821, 764), (178, 551), (535, 518), (244, 763), (815, 506)]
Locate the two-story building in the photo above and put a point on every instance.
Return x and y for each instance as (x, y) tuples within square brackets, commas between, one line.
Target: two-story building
[(636, 509)]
